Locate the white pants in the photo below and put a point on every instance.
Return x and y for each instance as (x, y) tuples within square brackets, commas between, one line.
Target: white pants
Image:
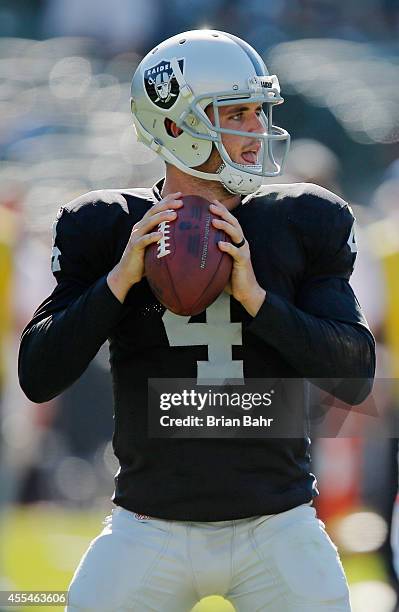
[(280, 563)]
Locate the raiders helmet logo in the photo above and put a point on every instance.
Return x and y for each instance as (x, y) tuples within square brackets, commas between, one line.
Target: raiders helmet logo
[(161, 85)]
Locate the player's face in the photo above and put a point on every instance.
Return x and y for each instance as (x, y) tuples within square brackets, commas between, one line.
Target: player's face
[(246, 118)]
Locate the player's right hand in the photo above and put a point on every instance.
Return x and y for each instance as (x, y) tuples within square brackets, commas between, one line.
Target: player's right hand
[(130, 269)]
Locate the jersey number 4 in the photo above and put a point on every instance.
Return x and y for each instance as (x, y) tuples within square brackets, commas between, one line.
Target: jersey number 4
[(218, 333), (55, 263), (352, 240)]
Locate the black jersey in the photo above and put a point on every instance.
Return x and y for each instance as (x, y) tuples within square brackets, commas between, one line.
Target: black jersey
[(309, 326)]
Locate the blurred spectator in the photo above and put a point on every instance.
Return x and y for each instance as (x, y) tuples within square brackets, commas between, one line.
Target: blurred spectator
[(312, 162), (119, 25)]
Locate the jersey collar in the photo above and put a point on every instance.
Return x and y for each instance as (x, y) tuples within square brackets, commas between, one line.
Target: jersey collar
[(157, 191)]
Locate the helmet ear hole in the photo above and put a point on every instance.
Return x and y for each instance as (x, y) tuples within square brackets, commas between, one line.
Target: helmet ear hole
[(171, 128)]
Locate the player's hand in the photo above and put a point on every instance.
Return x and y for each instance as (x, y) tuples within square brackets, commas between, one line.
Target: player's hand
[(130, 269), (243, 285)]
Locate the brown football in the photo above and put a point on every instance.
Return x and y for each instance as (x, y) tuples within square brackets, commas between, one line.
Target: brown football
[(186, 270)]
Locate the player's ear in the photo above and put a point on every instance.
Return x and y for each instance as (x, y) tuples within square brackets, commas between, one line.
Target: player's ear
[(211, 113), (172, 129)]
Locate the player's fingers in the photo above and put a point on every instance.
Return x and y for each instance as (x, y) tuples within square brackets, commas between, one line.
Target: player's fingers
[(217, 208), (164, 215), (238, 254), (235, 233), (147, 239), (173, 200), (146, 224)]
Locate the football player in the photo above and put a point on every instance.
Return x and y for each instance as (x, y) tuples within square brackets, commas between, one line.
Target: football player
[(196, 517)]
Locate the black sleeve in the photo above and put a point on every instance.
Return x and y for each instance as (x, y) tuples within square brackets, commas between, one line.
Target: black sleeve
[(70, 326), (324, 336)]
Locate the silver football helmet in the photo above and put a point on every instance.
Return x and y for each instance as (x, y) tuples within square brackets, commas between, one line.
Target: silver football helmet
[(185, 74)]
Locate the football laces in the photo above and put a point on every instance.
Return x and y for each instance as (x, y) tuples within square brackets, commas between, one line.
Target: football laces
[(163, 244)]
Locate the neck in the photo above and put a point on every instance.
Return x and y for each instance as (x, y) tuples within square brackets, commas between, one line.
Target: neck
[(176, 180)]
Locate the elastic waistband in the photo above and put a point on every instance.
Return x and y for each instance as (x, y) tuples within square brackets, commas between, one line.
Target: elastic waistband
[(277, 518)]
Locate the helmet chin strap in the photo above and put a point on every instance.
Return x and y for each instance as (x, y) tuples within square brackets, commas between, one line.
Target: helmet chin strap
[(239, 181)]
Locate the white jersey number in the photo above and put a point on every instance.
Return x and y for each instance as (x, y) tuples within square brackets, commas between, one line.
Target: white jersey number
[(55, 264), (352, 240), (218, 333)]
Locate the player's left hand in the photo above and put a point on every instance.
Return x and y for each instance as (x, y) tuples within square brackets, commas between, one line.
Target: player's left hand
[(243, 285)]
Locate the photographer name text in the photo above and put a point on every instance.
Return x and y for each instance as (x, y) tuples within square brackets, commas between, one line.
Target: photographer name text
[(245, 420)]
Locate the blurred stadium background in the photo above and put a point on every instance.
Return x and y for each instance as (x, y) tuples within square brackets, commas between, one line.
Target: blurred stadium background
[(65, 128)]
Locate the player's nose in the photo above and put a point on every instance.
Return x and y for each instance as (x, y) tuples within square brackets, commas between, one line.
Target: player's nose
[(256, 124)]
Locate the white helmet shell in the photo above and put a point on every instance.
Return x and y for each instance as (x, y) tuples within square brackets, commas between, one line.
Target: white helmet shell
[(180, 78)]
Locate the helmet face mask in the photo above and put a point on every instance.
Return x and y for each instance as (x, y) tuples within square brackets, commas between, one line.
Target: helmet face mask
[(180, 87), (270, 135)]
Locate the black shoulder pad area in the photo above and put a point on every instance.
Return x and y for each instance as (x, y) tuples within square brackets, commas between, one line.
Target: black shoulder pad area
[(91, 231), (323, 221)]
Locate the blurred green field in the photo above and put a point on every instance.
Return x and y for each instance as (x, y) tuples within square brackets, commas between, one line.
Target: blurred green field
[(41, 547)]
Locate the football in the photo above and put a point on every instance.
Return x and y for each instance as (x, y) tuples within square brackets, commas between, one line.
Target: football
[(186, 270)]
